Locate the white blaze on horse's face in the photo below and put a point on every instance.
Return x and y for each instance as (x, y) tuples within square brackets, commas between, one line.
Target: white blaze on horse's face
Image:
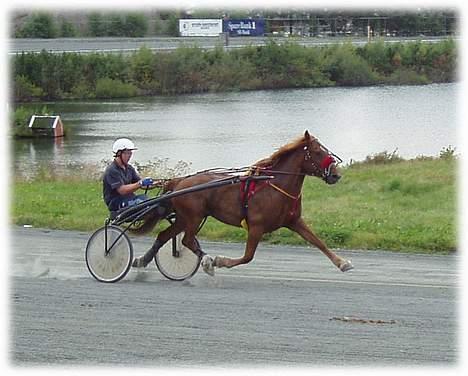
[(331, 174)]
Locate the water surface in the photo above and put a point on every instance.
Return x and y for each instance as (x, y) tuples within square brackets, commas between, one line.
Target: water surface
[(237, 129)]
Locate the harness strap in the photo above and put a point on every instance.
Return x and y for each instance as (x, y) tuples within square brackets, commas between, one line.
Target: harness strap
[(248, 189), (295, 199), (284, 192)]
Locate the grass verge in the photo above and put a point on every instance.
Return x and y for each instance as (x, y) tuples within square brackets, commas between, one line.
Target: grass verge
[(402, 206)]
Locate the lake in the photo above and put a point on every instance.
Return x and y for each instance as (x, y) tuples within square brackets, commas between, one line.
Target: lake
[(237, 129)]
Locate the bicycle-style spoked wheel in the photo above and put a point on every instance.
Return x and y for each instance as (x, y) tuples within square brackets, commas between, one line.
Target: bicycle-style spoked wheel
[(111, 262), (175, 261)]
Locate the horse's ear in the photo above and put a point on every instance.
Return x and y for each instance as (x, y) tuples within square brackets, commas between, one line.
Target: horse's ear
[(307, 135)]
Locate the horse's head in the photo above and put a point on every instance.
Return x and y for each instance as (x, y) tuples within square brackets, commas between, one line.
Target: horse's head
[(319, 161)]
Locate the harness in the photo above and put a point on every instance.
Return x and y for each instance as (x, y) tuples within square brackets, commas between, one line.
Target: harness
[(249, 187)]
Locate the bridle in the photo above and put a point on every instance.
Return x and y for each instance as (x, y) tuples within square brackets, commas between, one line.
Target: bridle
[(324, 169)]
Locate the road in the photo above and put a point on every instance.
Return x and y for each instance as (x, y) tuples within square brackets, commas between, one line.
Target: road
[(289, 307), (125, 45)]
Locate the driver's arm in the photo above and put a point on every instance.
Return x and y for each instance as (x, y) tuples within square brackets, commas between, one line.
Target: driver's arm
[(126, 189)]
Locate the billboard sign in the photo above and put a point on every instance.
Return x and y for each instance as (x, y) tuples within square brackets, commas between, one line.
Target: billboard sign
[(200, 27), (245, 27)]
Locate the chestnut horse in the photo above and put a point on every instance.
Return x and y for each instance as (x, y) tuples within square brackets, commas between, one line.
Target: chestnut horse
[(273, 204)]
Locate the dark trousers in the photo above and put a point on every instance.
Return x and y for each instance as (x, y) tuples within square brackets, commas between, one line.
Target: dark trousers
[(122, 202)]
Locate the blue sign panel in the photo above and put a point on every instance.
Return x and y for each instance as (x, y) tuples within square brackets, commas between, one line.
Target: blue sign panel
[(245, 27)]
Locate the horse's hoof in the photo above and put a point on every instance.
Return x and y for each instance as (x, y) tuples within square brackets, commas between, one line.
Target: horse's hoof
[(138, 262), (219, 261), (207, 265), (346, 266)]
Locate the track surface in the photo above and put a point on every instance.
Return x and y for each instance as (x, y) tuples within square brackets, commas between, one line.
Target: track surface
[(290, 306)]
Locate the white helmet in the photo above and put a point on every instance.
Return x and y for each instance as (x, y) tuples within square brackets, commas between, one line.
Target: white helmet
[(123, 144)]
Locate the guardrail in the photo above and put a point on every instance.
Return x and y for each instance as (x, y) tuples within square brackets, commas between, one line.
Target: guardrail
[(129, 45)]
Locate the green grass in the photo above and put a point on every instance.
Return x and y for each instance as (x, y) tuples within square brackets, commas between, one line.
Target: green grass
[(402, 206)]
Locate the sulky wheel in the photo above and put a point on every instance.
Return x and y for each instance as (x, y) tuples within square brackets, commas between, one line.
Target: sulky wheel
[(111, 262), (175, 261)]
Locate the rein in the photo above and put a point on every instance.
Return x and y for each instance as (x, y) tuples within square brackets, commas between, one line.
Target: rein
[(279, 172), (321, 170), (248, 188), (257, 170)]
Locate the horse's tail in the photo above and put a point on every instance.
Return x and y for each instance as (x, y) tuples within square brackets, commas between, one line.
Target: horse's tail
[(154, 216)]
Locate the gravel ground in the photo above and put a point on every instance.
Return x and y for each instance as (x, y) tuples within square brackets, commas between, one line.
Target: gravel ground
[(289, 307)]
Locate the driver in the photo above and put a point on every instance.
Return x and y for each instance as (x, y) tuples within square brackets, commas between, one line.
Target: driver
[(121, 180)]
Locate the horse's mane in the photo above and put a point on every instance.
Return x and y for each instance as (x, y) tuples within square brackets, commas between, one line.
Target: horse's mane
[(273, 159)]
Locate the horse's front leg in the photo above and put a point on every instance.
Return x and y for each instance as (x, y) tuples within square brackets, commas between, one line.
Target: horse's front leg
[(302, 229), (253, 238)]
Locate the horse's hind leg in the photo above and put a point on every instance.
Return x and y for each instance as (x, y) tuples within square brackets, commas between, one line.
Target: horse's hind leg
[(302, 229), (189, 240), (173, 230)]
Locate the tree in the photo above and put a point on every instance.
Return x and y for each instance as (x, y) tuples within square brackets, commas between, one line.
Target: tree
[(67, 30), (136, 25), (173, 26), (116, 26), (96, 25), (24, 90), (142, 65), (40, 25)]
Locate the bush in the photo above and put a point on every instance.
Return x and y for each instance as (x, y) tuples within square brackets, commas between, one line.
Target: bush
[(193, 70), (109, 88), (381, 158), (96, 25), (378, 55), (358, 73), (117, 25), (435, 61), (230, 72), (26, 91), (288, 65), (347, 68), (448, 153), (21, 117), (136, 25), (173, 26), (67, 30), (142, 68), (20, 122), (81, 91), (405, 76), (189, 65), (40, 25)]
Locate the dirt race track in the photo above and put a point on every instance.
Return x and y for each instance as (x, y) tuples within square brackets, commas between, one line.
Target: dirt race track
[(289, 307)]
